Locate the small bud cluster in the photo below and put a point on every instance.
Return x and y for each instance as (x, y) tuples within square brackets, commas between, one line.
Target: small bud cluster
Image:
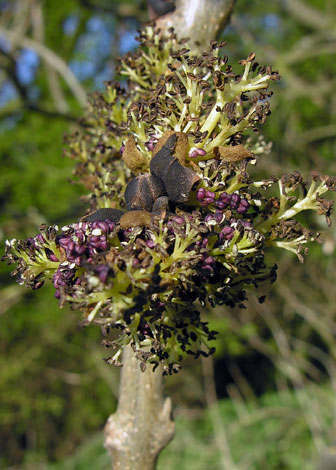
[(176, 219)]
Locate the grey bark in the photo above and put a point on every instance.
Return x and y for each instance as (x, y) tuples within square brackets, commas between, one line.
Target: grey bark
[(199, 20), (142, 425)]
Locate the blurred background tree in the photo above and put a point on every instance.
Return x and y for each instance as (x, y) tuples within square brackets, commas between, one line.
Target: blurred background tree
[(274, 370)]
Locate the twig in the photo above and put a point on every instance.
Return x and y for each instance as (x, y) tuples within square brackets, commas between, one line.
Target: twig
[(287, 364), (54, 61), (221, 439), (11, 70), (308, 15), (52, 78)]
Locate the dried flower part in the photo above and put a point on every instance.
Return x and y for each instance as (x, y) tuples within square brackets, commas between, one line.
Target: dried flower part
[(232, 153), (136, 218), (192, 226), (176, 142), (133, 158)]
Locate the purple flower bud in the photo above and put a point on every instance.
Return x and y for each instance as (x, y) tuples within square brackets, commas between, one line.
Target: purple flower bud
[(197, 153), (193, 154), (80, 249), (80, 235), (150, 244), (224, 200), (241, 209), (179, 220), (102, 272), (209, 218), (57, 280), (103, 245), (225, 197), (200, 195), (39, 238), (208, 263), (52, 257), (110, 225), (221, 204), (64, 242), (247, 224), (92, 252), (235, 201), (206, 201), (218, 216), (243, 206), (101, 147), (226, 233), (150, 144), (100, 226), (94, 245), (122, 148)]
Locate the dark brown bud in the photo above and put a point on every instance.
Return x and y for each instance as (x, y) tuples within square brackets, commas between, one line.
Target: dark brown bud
[(178, 145), (163, 158), (233, 153), (179, 181), (142, 191), (103, 214), (160, 204), (165, 165), (135, 219), (133, 158)]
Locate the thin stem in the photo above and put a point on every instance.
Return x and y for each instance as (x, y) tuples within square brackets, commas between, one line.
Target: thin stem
[(220, 435)]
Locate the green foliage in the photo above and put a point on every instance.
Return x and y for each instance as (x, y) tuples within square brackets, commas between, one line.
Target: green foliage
[(36, 174)]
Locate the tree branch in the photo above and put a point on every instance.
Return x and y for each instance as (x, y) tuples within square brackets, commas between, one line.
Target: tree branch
[(54, 61), (11, 70), (142, 426), (199, 20)]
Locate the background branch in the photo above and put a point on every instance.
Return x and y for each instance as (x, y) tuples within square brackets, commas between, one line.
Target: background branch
[(54, 61)]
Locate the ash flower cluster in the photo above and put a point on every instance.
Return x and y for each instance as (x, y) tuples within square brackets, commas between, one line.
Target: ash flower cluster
[(175, 219)]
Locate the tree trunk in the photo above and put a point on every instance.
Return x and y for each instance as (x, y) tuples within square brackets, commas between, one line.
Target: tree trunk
[(142, 425)]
